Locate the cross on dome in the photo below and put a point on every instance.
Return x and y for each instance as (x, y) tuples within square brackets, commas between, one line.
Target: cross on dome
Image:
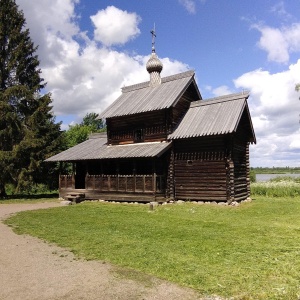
[(153, 38), (154, 66)]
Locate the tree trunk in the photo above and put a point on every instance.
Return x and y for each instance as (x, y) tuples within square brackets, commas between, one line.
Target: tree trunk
[(2, 190)]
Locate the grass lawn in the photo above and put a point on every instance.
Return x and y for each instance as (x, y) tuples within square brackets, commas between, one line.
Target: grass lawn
[(246, 252)]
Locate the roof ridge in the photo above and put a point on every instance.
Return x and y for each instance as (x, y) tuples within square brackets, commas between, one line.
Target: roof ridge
[(229, 97), (145, 84)]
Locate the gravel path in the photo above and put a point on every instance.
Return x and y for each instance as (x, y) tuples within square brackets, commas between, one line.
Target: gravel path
[(32, 269)]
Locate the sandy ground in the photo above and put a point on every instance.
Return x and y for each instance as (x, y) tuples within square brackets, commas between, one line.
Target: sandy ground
[(32, 269)]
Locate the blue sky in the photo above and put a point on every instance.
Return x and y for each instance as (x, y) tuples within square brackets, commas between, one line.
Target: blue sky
[(88, 50)]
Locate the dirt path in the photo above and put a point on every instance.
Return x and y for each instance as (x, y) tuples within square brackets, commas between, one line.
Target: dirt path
[(32, 269)]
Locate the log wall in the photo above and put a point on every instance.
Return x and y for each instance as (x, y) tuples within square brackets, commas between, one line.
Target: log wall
[(149, 126), (200, 169), (240, 157), (144, 127)]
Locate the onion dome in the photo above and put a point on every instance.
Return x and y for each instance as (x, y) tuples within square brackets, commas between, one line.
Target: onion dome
[(154, 64)]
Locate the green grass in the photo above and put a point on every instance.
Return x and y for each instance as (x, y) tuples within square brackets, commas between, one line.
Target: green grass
[(247, 252), (27, 200), (283, 186), (15, 199)]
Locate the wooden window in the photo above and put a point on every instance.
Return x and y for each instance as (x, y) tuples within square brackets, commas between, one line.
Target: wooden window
[(189, 162)]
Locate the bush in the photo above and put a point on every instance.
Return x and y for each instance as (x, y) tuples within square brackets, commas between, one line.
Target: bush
[(35, 189), (252, 176), (277, 188)]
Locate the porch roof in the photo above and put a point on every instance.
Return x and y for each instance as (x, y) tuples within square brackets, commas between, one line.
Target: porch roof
[(96, 148)]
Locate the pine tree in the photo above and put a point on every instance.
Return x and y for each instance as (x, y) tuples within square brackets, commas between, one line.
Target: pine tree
[(28, 132)]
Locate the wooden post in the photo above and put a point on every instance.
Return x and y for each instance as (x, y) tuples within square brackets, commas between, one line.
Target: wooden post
[(86, 180), (117, 179), (101, 177), (134, 176), (153, 176), (59, 176), (65, 180), (73, 175), (101, 183)]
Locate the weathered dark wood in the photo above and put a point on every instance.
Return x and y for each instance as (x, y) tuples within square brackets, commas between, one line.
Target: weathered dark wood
[(122, 197), (153, 125), (126, 183), (205, 168)]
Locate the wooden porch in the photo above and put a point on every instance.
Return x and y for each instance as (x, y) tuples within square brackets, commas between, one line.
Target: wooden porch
[(137, 188)]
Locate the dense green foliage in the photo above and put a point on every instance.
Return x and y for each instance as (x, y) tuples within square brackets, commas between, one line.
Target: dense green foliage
[(245, 252), (276, 170), (28, 132), (79, 133), (252, 176)]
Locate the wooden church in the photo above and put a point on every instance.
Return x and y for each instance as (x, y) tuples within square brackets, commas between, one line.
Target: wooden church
[(164, 142)]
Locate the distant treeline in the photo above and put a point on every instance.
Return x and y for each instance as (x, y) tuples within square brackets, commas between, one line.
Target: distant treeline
[(275, 170)]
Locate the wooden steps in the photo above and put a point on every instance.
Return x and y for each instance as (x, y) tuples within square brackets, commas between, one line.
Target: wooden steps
[(75, 197)]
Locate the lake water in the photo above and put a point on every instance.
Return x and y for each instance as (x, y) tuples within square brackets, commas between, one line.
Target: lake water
[(267, 177)]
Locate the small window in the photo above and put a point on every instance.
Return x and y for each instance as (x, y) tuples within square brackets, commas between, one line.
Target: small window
[(139, 135), (189, 162)]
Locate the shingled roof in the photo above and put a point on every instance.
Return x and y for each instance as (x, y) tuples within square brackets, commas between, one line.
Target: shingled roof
[(216, 116), (142, 97), (96, 148)]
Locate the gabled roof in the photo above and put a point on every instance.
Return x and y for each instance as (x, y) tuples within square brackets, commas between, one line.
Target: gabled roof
[(216, 116), (96, 148), (141, 97)]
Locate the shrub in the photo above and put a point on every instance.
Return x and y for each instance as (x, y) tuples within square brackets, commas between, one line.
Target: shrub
[(252, 176), (277, 188)]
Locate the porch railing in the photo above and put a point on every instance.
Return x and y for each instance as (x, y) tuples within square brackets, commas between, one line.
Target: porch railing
[(118, 183), (125, 183), (67, 181)]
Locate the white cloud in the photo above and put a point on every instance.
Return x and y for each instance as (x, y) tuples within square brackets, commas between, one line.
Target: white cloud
[(221, 90), (295, 143), (114, 26), (48, 20), (275, 109), (189, 5), (280, 10), (82, 75), (279, 43)]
